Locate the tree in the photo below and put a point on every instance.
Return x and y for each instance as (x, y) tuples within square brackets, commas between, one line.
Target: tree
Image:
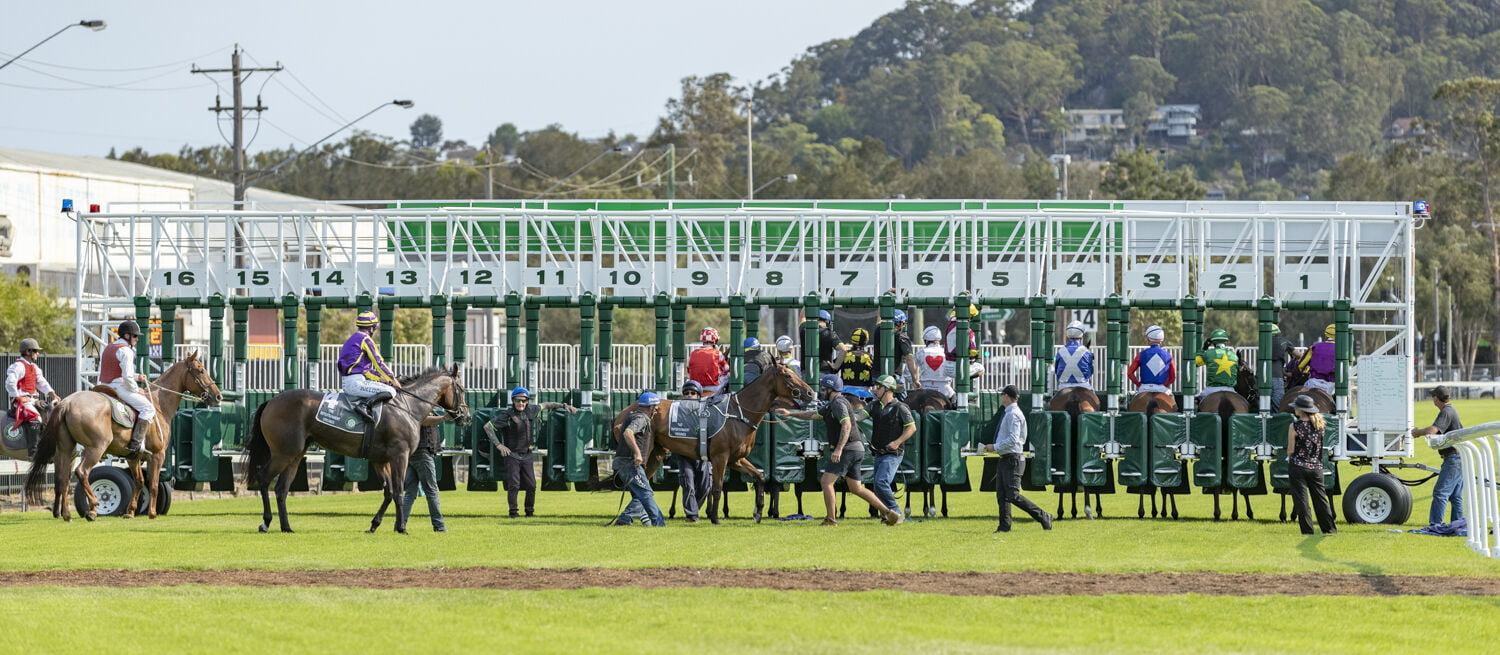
[(426, 131), (505, 138), (708, 117), (1473, 134), (1137, 175), (33, 311)]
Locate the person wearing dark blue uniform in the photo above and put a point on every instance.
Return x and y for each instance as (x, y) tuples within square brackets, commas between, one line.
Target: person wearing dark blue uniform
[(695, 476)]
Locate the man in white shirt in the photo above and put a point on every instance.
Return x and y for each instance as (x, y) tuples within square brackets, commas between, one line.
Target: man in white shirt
[(117, 370), (24, 383), (1010, 441)]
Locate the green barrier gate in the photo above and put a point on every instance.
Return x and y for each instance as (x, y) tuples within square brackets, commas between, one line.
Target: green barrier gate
[(943, 459), (786, 439), (1170, 433), (1279, 469), (1050, 435), (1098, 432), (484, 462), (1252, 437)]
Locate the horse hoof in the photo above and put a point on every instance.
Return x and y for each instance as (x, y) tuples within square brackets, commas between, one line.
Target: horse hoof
[(264, 528), (91, 516), (286, 531), (370, 531), (714, 521), (128, 516)]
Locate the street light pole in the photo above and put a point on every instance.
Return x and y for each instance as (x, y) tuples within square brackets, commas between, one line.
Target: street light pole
[(749, 149), (95, 25), (789, 177), (405, 104)]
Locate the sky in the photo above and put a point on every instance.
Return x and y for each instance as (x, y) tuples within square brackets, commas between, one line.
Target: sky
[(590, 65)]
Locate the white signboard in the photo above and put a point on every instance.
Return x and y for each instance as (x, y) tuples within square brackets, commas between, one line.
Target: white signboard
[(178, 282), (1156, 282), (701, 279), (1313, 282), (1229, 282), (402, 279), (1077, 281), (1000, 279), (1384, 394), (551, 278), (331, 281), (854, 279), (477, 279), (933, 279), (626, 280), (774, 278), (262, 281)]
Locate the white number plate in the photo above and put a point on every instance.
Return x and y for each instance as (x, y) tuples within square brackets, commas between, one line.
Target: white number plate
[(1003, 280), (851, 278), (552, 279), (331, 281), (701, 280), (261, 281), (179, 282), (1159, 283), (937, 279), (1229, 282), (1081, 281), (775, 278), (626, 281), (399, 279), (1311, 283)]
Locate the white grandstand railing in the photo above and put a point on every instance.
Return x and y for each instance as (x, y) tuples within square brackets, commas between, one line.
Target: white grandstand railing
[(1479, 451), (632, 367), (556, 367)]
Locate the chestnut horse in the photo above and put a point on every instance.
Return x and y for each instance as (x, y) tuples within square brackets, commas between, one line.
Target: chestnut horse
[(1226, 404), (284, 426), (83, 419), (1151, 403), (1075, 401), (728, 447)]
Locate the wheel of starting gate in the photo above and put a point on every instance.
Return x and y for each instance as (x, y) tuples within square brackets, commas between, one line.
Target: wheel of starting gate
[(1377, 498), (163, 500), (111, 485)]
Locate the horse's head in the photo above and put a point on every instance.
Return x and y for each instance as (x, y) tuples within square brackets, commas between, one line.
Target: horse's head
[(1245, 384), (198, 382), (452, 398), (786, 383)]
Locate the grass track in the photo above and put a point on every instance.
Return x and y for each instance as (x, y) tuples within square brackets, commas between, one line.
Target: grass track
[(694, 621)]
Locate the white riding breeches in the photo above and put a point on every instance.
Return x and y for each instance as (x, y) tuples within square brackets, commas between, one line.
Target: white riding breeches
[(1323, 385), (1153, 388), (1208, 390), (1070, 385), (359, 386), (145, 409)]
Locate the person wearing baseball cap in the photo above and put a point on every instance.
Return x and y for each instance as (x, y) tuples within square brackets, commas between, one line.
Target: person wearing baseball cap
[(847, 450), (892, 424)]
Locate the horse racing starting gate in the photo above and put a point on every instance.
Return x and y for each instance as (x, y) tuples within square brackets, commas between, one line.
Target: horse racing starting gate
[(454, 259)]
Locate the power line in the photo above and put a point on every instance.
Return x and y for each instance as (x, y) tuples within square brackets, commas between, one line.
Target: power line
[(121, 70), (238, 74)]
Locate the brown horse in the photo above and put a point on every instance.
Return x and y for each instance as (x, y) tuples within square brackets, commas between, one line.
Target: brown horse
[(83, 419), (287, 424), (1150, 403), (1325, 402), (1227, 404), (728, 447), (922, 401), (1075, 401)]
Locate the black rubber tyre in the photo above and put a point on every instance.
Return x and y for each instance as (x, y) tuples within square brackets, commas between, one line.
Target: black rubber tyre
[(112, 486), (1377, 498), (163, 500)]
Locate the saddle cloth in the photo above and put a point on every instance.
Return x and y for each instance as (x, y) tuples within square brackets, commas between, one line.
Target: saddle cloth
[(686, 416), (123, 415), (10, 434), (337, 412)]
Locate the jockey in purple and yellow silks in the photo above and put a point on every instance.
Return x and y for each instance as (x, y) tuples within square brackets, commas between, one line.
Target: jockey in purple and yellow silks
[(365, 375), (1321, 362)]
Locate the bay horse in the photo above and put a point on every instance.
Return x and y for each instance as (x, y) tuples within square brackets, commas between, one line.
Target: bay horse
[(284, 426), (921, 401), (83, 419), (1325, 402), (1075, 401), (729, 447), (1226, 404), (1151, 403)]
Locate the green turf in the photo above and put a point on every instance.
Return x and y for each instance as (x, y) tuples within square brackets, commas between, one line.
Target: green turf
[(307, 620), (221, 534)]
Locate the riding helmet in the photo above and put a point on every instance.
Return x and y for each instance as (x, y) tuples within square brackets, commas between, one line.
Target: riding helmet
[(899, 318), (693, 386), (932, 333), (823, 315), (784, 343), (752, 343), (709, 335), (520, 392), (860, 337), (648, 399), (1330, 331), (128, 328), (366, 319), (1218, 336), (831, 382), (1155, 333), (1075, 330), (28, 345)]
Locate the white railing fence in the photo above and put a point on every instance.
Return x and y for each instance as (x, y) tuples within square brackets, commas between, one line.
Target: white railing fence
[(1479, 450)]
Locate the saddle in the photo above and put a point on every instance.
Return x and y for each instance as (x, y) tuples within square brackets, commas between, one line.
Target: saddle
[(337, 411), (698, 419), (122, 414)]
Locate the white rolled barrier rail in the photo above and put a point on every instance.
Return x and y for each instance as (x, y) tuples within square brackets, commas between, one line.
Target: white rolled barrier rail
[(1479, 449)]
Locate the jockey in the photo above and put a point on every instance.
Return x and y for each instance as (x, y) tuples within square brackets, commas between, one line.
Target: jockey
[(117, 370), (950, 351), (24, 382), (1281, 353), (784, 353), (706, 365), (365, 375), (933, 369), (858, 368), (905, 366), (1222, 362), (828, 342), (1074, 362), (758, 360), (1321, 362), (1152, 370)]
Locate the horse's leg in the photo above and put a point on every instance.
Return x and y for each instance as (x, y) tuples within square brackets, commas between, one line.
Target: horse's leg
[(1098, 504), (91, 457), (1074, 497), (843, 502), (716, 487), (138, 474), (1140, 505), (398, 489), (945, 503), (284, 487), (758, 479), (62, 467), (1249, 511), (1174, 507), (154, 487), (1060, 496), (1234, 495), (1217, 512), (1283, 508), (381, 469)]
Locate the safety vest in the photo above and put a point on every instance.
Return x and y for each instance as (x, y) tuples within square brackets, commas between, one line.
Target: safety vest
[(27, 383), (109, 363)]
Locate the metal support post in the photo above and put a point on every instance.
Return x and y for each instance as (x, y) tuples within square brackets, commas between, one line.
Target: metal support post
[(512, 342), (387, 328), (1039, 343), (961, 350), (216, 337), (586, 365), (679, 345), (439, 331), (736, 342), (533, 345), (1266, 318), (168, 309), (1191, 337), (812, 367), (241, 341), (143, 319), (290, 370), (1112, 352), (1343, 348), (663, 343), (460, 332), (887, 335), (314, 341)]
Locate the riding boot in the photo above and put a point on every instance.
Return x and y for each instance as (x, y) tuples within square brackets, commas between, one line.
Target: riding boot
[(366, 406), (136, 448), (32, 431)]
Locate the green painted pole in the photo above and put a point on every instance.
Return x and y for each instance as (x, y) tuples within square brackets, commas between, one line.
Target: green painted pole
[(291, 373), (533, 345), (736, 342), (1112, 368), (512, 341), (887, 332), (460, 332), (586, 361), (961, 349), (1191, 337), (439, 331), (1039, 311), (143, 319), (1265, 318), (679, 345), (168, 309), (1343, 348), (663, 343), (241, 311), (216, 338), (606, 347), (314, 342), (811, 367), (387, 328)]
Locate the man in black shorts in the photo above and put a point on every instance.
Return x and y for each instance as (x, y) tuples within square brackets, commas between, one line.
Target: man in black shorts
[(847, 450)]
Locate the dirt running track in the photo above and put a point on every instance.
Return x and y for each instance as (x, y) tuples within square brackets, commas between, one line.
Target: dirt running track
[(1024, 583)]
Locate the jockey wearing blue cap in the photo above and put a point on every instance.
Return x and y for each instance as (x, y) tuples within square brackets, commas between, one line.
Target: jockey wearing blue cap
[(758, 360), (365, 375)]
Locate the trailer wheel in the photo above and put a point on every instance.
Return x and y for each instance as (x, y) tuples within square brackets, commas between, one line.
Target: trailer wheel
[(1377, 498), (163, 500), (112, 486)]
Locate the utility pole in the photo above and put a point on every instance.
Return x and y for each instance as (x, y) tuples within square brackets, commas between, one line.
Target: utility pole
[(489, 174), (749, 151), (237, 75), (671, 171)]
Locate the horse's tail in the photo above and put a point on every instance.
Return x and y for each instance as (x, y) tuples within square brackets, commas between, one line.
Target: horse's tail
[(46, 450), (258, 451), (1152, 407), (1074, 405), (1225, 410)]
